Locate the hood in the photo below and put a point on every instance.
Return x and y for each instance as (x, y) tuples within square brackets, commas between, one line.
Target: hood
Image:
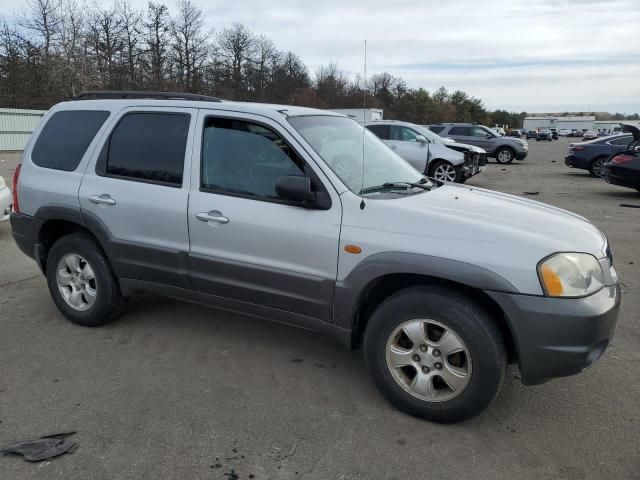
[(505, 234), (463, 147), (633, 128)]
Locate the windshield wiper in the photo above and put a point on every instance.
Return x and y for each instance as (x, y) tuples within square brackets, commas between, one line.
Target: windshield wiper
[(406, 185)]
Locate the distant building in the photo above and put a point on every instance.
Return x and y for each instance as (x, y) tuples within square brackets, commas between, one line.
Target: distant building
[(16, 126), (560, 123), (361, 114)]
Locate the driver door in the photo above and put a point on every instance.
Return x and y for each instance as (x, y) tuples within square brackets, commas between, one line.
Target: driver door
[(247, 245), (403, 141)]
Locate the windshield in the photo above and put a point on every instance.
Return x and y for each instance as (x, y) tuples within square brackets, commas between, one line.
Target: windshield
[(338, 141)]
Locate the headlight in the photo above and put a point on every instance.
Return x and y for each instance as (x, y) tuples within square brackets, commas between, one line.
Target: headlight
[(570, 275)]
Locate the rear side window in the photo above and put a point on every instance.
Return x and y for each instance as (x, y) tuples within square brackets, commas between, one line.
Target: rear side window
[(624, 141), (436, 128), (381, 131), (65, 138), (462, 131), (147, 147)]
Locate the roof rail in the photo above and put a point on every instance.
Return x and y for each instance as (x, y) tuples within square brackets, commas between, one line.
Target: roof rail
[(116, 94)]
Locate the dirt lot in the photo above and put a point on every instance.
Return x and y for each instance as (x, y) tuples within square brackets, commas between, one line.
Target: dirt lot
[(178, 391)]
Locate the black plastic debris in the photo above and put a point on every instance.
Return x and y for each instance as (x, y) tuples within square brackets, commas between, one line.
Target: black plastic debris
[(629, 205), (531, 193), (44, 448)]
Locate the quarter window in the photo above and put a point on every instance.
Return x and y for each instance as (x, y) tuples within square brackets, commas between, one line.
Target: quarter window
[(624, 141), (65, 138), (245, 159), (436, 128), (148, 147)]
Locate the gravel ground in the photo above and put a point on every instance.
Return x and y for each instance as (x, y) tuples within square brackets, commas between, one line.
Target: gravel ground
[(178, 391)]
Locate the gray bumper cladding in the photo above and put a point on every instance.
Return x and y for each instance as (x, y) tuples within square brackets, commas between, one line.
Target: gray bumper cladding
[(558, 337)]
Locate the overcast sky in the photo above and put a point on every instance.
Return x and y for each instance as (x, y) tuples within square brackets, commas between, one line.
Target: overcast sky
[(533, 55)]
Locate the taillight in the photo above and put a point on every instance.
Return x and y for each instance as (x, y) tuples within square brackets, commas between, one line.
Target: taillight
[(576, 149), (14, 188), (621, 159)]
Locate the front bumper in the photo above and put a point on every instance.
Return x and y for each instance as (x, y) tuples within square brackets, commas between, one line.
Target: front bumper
[(522, 154), (558, 337)]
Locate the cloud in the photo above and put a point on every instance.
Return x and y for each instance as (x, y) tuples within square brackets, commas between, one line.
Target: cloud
[(517, 54)]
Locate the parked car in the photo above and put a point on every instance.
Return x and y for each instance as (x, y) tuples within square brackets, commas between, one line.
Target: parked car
[(593, 155), (624, 167), (425, 150), (554, 133), (273, 211), (515, 133), (589, 135), (531, 134), (544, 134), (503, 149), (575, 133), (563, 132), (5, 201)]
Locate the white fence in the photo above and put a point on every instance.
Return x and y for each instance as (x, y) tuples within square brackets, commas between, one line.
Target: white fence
[(16, 125)]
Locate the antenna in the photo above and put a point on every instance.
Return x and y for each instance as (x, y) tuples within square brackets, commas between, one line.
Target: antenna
[(364, 117)]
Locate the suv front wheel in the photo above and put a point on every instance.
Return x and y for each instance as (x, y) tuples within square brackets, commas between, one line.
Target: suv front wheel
[(505, 155), (435, 354), (81, 282)]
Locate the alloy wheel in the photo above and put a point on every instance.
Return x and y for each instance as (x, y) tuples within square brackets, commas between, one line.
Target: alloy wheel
[(598, 167), (428, 360), (505, 156), (76, 282), (445, 172)]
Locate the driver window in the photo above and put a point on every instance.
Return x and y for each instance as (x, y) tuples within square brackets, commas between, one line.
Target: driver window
[(403, 134), (479, 132), (244, 158)]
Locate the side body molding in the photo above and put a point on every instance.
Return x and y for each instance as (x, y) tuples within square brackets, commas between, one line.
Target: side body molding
[(349, 291)]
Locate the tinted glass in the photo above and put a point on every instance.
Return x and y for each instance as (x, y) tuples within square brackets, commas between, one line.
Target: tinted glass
[(65, 138), (463, 131), (149, 147), (245, 158), (436, 128), (381, 131)]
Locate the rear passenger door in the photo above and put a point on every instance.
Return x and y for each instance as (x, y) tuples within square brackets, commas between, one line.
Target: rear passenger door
[(135, 193), (249, 246)]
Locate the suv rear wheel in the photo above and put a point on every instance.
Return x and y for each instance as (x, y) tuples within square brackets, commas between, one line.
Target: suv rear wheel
[(81, 282), (435, 354), (505, 155), (445, 172)]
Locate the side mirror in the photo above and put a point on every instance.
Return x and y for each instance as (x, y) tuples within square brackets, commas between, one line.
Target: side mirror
[(421, 139), (488, 135), (295, 188)]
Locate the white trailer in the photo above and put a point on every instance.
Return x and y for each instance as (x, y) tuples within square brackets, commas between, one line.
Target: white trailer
[(361, 114)]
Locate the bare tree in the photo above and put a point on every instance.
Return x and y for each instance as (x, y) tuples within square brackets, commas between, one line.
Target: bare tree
[(157, 28), (131, 28), (43, 18), (235, 45), (106, 31), (190, 43)]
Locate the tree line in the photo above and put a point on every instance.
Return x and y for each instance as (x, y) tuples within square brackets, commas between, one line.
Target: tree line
[(59, 48)]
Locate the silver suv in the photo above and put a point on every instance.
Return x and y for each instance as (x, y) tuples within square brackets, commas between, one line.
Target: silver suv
[(273, 211), (428, 153), (503, 149)]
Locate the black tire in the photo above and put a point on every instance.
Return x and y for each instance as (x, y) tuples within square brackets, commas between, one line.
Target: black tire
[(108, 299), (508, 155), (593, 168), (437, 163), (469, 321)]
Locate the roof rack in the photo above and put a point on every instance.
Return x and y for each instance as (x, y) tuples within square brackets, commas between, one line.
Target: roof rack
[(118, 94)]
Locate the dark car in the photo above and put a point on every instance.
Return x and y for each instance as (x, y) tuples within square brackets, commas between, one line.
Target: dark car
[(531, 134), (624, 168), (554, 133), (544, 134), (594, 154)]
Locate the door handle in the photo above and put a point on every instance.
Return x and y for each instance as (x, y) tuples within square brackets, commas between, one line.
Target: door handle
[(212, 216), (104, 199)]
